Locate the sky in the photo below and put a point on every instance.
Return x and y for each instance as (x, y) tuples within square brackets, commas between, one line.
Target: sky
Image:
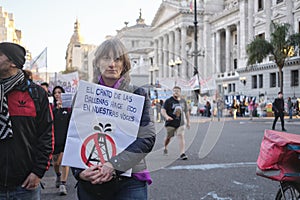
[(50, 23)]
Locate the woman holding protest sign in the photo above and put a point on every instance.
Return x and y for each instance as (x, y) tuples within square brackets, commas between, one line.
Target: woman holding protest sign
[(61, 122), (105, 180)]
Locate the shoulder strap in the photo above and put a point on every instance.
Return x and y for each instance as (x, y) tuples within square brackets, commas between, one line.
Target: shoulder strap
[(34, 94)]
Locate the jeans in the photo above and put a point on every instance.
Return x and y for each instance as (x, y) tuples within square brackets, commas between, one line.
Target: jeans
[(291, 113), (20, 193), (126, 189)]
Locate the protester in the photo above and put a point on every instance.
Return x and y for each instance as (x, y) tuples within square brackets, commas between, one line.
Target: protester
[(220, 107), (104, 181), (243, 107), (290, 106), (251, 107), (45, 85), (297, 105), (61, 122), (174, 110), (234, 108), (26, 140), (207, 109), (278, 108)]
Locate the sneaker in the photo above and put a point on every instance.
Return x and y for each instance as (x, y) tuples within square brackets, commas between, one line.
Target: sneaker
[(165, 151), (183, 156), (57, 182), (62, 190), (283, 129)]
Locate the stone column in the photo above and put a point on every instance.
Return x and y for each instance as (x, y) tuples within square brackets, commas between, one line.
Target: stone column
[(250, 21), (155, 59), (238, 42), (218, 51), (213, 53), (268, 19), (165, 59), (171, 51), (289, 9), (183, 56), (227, 48), (243, 33), (160, 57), (177, 44)]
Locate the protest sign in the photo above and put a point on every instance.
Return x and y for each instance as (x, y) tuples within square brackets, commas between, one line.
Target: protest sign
[(104, 122)]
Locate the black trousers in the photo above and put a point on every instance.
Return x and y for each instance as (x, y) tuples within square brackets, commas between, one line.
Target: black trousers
[(281, 116)]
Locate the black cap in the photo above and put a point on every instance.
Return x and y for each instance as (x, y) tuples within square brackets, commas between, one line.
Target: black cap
[(14, 52)]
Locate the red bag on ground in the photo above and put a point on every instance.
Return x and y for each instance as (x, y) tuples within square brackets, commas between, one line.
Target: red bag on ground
[(279, 156)]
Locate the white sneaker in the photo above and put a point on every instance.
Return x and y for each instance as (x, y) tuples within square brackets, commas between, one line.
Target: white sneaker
[(62, 190)]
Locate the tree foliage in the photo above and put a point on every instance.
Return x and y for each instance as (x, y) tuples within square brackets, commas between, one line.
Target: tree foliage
[(280, 46)]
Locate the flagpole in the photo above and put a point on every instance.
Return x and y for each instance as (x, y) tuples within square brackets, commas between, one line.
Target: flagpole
[(196, 72), (46, 67)]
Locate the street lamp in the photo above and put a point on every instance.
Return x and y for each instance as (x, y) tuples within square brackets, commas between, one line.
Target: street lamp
[(243, 80), (178, 62), (196, 53), (172, 64)]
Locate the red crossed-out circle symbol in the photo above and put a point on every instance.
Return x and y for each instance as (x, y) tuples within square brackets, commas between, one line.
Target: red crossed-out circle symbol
[(95, 146)]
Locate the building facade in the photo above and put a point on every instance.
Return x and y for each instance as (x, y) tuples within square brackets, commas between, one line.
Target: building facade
[(78, 54), (163, 53)]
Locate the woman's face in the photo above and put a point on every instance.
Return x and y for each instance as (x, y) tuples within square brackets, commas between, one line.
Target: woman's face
[(57, 94), (111, 68)]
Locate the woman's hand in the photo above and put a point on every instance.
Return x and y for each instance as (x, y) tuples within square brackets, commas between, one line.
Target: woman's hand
[(98, 174), (59, 103), (90, 174)]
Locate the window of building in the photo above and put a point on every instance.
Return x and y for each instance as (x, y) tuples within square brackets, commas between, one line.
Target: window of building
[(229, 88), (254, 82), (260, 5), (235, 38), (235, 63), (260, 81), (261, 36), (233, 87), (294, 78), (272, 79), (279, 1)]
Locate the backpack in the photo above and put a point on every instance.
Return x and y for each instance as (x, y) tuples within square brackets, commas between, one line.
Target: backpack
[(34, 94)]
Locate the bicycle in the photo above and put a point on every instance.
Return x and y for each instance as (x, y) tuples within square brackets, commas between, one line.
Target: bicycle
[(279, 160), (288, 191)]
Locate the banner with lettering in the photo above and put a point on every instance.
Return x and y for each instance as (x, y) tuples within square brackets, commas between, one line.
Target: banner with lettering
[(104, 122), (68, 81)]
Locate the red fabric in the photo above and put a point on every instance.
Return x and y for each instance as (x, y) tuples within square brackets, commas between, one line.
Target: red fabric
[(21, 104), (276, 157)]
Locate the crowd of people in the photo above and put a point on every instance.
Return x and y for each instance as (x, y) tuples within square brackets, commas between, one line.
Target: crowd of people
[(37, 132), (34, 126)]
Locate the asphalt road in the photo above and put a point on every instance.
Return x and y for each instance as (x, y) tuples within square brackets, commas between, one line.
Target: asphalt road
[(222, 168)]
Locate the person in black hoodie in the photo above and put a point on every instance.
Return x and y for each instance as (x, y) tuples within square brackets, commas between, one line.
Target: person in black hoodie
[(278, 108)]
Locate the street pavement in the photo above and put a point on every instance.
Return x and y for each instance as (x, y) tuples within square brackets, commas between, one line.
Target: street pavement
[(221, 164)]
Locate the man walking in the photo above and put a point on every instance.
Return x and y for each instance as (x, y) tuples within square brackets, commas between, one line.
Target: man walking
[(26, 140), (174, 110), (278, 108)]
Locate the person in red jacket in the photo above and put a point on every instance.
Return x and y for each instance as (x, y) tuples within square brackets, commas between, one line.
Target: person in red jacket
[(26, 134)]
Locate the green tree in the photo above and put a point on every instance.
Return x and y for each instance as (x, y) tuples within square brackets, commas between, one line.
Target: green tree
[(281, 46)]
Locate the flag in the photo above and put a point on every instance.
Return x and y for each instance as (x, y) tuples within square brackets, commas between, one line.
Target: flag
[(194, 82), (40, 61), (191, 6)]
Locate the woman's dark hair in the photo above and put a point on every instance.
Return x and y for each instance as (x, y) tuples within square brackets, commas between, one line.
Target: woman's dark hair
[(57, 87)]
